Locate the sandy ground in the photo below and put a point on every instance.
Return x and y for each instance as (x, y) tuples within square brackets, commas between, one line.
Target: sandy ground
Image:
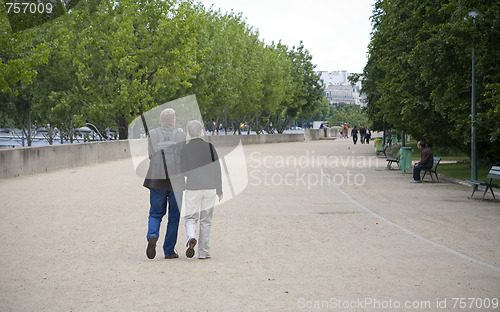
[(321, 226)]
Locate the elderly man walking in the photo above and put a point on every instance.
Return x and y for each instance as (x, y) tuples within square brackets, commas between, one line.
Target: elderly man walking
[(165, 185)]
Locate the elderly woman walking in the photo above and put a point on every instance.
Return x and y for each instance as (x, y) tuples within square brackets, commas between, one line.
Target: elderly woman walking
[(200, 164)]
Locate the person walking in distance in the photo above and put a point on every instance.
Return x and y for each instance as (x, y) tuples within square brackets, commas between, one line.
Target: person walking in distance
[(200, 163), (362, 134), (368, 135), (354, 134), (165, 183)]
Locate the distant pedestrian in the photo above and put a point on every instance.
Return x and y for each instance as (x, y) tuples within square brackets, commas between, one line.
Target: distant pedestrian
[(362, 134), (345, 131), (354, 134), (368, 135), (322, 126), (200, 163)]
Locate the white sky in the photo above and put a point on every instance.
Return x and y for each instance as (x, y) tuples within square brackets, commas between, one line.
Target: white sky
[(335, 32)]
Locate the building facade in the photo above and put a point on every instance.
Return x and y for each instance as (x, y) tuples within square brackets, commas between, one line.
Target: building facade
[(338, 89)]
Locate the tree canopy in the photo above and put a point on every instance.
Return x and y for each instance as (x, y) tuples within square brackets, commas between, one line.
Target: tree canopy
[(105, 62), (418, 75)]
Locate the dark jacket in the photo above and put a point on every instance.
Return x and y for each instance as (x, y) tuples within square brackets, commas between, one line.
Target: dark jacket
[(202, 172), (173, 184), (426, 158)]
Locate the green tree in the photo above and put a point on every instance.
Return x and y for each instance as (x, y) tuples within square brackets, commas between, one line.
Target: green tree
[(132, 56), (417, 77), (19, 59)]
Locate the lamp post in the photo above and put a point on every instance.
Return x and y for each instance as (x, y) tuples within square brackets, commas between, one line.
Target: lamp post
[(473, 143), (95, 130)]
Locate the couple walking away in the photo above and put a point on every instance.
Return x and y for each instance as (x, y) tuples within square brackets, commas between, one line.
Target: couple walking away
[(176, 167)]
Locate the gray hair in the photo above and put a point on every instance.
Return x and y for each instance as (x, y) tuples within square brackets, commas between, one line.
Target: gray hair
[(167, 117), (194, 128)]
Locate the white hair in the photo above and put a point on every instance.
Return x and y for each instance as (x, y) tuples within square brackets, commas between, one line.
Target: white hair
[(167, 117), (194, 128)]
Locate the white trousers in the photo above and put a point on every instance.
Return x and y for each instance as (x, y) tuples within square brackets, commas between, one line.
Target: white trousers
[(199, 205)]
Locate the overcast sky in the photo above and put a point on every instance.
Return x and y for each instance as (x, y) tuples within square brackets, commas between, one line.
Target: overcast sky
[(336, 32)]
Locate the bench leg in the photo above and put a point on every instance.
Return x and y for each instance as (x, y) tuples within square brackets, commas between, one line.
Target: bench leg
[(437, 178), (486, 190), (492, 193), (474, 189)]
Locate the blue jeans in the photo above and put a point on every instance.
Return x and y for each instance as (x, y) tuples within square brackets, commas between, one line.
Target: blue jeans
[(416, 171), (158, 200)]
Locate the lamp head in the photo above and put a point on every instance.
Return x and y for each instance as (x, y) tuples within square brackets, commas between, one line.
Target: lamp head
[(474, 14)]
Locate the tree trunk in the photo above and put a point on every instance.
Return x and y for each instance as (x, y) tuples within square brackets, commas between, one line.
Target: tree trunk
[(122, 124)]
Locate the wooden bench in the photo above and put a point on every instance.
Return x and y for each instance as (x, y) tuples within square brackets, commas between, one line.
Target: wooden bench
[(432, 170), (393, 160), (493, 174)]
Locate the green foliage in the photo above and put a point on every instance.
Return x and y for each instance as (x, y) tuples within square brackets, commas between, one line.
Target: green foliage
[(418, 75), (105, 62), (20, 55), (350, 114)]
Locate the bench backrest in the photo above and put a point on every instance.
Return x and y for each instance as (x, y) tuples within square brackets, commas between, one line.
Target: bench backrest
[(494, 173), (435, 163)]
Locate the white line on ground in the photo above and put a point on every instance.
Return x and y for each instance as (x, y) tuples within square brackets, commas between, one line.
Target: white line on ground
[(454, 252)]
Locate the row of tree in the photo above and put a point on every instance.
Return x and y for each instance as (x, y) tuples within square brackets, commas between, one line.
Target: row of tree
[(418, 75), (106, 62)]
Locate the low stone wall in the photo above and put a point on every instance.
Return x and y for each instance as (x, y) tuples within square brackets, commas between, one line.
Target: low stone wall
[(313, 134), (233, 140), (27, 160)]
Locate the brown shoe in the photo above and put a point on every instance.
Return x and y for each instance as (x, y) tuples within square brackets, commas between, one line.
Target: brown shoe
[(172, 256)]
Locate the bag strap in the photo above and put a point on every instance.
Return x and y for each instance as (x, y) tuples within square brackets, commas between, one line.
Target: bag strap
[(164, 162), (212, 152)]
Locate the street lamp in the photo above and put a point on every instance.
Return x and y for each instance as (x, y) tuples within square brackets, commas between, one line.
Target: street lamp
[(88, 124), (473, 143)]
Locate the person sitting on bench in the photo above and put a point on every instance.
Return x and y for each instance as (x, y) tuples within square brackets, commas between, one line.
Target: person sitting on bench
[(426, 161)]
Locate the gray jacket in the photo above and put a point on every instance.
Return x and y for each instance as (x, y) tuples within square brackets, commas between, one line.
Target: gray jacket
[(174, 184)]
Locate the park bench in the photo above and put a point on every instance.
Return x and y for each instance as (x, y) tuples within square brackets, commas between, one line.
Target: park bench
[(432, 170), (382, 150), (393, 160), (493, 174)]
